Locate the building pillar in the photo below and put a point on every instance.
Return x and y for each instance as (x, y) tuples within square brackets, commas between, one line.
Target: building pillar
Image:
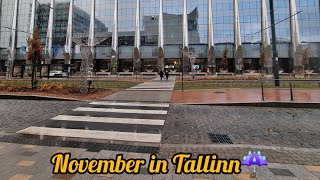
[(211, 55), (68, 44), (238, 50), (12, 40), (114, 51), (91, 38), (296, 47), (161, 39), (266, 49), (50, 33), (136, 50), (185, 25), (185, 42), (33, 15)]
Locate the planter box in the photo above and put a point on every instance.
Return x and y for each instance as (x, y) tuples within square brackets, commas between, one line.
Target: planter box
[(199, 74), (149, 74), (125, 74), (224, 74), (103, 74)]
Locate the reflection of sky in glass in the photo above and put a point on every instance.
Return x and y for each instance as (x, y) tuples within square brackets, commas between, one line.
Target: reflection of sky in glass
[(282, 12), (250, 21), (105, 12), (309, 20), (82, 11), (149, 21), (172, 21), (198, 34), (223, 21), (7, 10), (24, 15), (43, 18), (127, 15)]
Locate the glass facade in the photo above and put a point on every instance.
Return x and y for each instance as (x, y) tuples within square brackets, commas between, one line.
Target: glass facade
[(149, 18), (126, 22), (172, 21), (250, 21), (7, 7), (104, 15), (42, 18), (223, 21), (309, 20), (173, 29)]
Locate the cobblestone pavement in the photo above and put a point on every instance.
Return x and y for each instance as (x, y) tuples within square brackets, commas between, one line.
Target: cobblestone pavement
[(24, 162), (16, 115), (282, 155), (297, 128)]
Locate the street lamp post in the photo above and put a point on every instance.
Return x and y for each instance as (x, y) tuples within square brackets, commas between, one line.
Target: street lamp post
[(274, 46), (182, 64)]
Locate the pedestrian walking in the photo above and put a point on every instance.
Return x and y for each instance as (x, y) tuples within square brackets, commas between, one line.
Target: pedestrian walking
[(161, 75), (167, 75)]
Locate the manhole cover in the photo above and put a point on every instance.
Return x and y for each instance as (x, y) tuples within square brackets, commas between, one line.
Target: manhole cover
[(220, 138), (219, 92)]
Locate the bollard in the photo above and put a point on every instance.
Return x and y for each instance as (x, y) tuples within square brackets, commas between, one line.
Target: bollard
[(262, 90), (89, 85), (291, 93)]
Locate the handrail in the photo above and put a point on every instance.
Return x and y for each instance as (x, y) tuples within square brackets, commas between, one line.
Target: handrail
[(287, 80)]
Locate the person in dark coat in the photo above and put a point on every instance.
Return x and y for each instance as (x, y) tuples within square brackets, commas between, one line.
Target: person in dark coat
[(161, 75), (167, 75)]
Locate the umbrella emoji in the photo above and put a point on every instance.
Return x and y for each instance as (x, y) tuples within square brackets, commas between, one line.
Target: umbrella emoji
[(254, 159)]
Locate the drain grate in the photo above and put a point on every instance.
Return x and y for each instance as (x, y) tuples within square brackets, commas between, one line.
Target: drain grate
[(219, 92), (220, 138)]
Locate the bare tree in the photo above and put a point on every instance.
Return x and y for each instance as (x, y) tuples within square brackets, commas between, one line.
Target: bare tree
[(263, 57), (224, 60), (305, 60)]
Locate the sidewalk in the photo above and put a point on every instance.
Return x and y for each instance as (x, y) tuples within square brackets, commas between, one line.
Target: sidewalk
[(153, 91), (220, 96)]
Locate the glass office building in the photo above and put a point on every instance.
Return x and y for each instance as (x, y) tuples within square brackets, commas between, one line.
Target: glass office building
[(150, 35)]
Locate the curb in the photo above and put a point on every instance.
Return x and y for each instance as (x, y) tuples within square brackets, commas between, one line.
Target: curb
[(263, 104), (35, 97)]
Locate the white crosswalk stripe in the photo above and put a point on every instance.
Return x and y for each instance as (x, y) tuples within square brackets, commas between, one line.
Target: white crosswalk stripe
[(110, 120), (91, 134), (149, 89), (123, 111), (108, 103)]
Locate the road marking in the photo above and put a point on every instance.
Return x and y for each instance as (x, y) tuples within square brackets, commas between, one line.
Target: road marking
[(108, 103), (91, 134), (153, 87), (124, 111), (110, 120), (149, 90)]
